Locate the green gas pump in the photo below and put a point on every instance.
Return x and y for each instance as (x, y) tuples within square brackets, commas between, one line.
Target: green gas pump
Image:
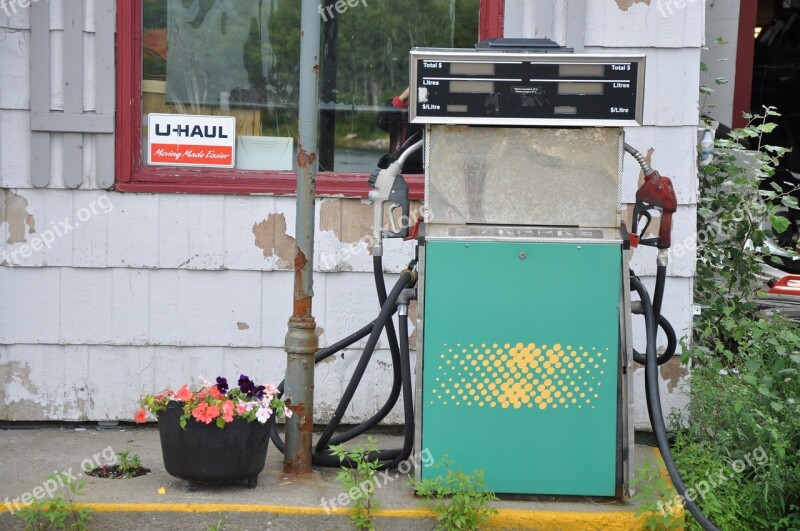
[(524, 360)]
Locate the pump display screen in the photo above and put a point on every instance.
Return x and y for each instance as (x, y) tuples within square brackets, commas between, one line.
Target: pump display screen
[(450, 86)]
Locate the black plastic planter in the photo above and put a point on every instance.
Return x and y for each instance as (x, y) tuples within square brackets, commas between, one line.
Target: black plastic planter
[(206, 453)]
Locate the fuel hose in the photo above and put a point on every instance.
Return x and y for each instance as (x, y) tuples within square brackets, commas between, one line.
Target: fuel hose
[(391, 458), (654, 410)]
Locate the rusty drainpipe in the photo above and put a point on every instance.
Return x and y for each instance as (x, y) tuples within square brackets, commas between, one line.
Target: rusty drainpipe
[(301, 339)]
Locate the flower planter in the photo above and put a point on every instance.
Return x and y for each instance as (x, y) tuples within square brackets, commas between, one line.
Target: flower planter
[(207, 453)]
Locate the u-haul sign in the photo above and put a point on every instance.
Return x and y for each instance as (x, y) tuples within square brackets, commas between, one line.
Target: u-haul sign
[(181, 140)]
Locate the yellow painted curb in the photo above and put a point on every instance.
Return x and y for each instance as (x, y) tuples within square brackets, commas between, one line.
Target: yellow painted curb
[(505, 519)]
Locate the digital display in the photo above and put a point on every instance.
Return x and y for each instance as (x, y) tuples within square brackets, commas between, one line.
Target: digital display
[(582, 70), (475, 69), (567, 88), (467, 87), (510, 88)]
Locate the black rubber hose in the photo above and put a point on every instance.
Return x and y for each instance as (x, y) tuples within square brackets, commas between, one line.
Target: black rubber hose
[(666, 326), (318, 357), (408, 394), (387, 311), (389, 459), (322, 456), (658, 293), (672, 343), (654, 407), (394, 393)]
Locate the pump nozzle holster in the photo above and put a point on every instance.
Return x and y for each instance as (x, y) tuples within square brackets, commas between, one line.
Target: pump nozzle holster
[(657, 192), (389, 185)]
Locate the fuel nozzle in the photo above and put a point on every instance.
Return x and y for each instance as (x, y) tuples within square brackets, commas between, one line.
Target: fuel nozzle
[(389, 186), (658, 193)]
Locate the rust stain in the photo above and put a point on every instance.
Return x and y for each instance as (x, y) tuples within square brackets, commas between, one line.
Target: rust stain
[(299, 261), (625, 5), (302, 307), (304, 158), (672, 372), (242, 326), (270, 236), (315, 69), (14, 211), (297, 464)]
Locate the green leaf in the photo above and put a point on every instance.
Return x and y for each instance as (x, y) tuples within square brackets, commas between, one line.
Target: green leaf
[(779, 223), (720, 80), (767, 127)]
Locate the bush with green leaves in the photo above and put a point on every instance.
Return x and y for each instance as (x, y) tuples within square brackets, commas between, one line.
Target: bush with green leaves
[(745, 382), (459, 499), (59, 512), (358, 480), (734, 219), (653, 492), (734, 410)]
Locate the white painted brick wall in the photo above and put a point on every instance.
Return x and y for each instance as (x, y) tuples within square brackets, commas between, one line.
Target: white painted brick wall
[(152, 293), (101, 382)]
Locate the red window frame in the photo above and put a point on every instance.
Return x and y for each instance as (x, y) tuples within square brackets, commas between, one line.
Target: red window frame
[(133, 176)]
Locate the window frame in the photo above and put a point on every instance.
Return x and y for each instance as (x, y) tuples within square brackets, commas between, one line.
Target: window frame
[(134, 176)]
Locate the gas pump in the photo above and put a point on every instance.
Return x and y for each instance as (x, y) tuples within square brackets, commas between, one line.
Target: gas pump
[(526, 344), (524, 349)]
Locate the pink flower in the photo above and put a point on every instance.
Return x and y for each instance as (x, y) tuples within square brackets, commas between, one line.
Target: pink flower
[(263, 414), (215, 392), (241, 408), (287, 412), (141, 416), (227, 411), (205, 413), (183, 394)]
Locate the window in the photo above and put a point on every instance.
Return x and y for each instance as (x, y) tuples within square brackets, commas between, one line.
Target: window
[(239, 59)]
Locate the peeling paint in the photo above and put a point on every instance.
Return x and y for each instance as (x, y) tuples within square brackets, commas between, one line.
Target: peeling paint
[(624, 5), (672, 372), (305, 159), (17, 372), (412, 319), (14, 211), (242, 326), (270, 236)]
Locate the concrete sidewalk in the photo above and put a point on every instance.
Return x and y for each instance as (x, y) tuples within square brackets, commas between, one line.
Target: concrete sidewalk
[(159, 501)]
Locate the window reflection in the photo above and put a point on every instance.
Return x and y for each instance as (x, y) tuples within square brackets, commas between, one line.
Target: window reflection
[(240, 58)]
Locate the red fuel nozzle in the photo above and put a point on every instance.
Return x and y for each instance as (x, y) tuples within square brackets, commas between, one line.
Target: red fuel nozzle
[(657, 192)]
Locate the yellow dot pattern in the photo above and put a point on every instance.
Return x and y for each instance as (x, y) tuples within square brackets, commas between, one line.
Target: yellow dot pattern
[(519, 376)]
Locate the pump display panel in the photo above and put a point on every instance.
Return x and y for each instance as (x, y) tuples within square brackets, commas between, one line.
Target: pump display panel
[(473, 88)]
